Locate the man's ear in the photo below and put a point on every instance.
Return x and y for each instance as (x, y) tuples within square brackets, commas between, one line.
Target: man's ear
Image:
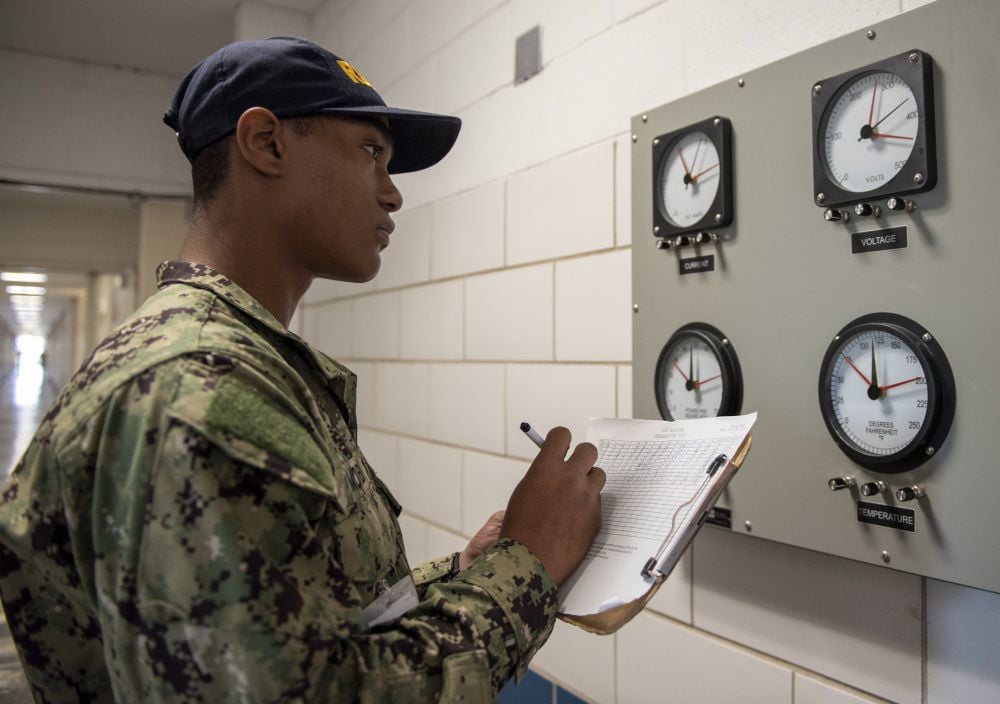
[(260, 139)]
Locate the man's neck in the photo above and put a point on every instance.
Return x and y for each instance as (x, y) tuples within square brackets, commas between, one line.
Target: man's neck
[(249, 260)]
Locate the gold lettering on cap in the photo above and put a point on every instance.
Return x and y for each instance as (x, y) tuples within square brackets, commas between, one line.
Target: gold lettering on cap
[(353, 73)]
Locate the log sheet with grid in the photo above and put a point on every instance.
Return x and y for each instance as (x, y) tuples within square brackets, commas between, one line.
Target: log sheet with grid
[(647, 480)]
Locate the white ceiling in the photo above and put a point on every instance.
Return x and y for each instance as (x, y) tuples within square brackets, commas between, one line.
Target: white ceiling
[(162, 36)]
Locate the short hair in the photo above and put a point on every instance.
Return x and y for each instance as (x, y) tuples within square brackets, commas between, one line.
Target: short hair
[(210, 166)]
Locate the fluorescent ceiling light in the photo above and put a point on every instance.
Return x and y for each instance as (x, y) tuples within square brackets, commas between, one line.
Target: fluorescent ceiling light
[(23, 277), (27, 290), (30, 300)]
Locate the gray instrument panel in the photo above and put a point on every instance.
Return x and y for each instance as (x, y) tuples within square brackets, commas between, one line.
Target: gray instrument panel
[(786, 281)]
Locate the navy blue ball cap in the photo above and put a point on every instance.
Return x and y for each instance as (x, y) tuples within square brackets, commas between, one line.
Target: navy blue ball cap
[(294, 77)]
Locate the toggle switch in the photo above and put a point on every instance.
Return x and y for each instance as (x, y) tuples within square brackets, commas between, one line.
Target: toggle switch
[(909, 493), (682, 241), (868, 209), (873, 488), (706, 237), (901, 204), (838, 483), (664, 243), (834, 215)]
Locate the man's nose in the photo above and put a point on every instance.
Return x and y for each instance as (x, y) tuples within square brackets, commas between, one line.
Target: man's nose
[(389, 196)]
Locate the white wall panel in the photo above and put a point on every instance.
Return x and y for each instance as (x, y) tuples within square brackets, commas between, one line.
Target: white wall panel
[(812, 691), (431, 321), (479, 61), (329, 327), (466, 405), (508, 314), (585, 662), (407, 259), (594, 308), (437, 23), (430, 481), (963, 644), (468, 233), (402, 397), (382, 452), (376, 326), (487, 482), (565, 24)]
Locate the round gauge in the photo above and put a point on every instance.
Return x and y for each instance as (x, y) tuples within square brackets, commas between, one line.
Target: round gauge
[(692, 178), (698, 375), (870, 132), (886, 392), (689, 179), (874, 131)]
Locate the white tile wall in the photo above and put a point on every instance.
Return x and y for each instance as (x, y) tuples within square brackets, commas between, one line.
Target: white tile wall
[(430, 481), (849, 621), (414, 538), (479, 61), (376, 326), (442, 542), (562, 207), (431, 321), (623, 189), (468, 232), (624, 9), (594, 307), (487, 482), (565, 23), (435, 22), (466, 405), (382, 452), (508, 314), (343, 26), (625, 391), (402, 398), (659, 661), (584, 661), (329, 327), (547, 395), (365, 372), (812, 691), (379, 66), (414, 90), (963, 644), (407, 259)]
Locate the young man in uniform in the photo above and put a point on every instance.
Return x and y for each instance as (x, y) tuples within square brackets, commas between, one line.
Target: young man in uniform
[(194, 520)]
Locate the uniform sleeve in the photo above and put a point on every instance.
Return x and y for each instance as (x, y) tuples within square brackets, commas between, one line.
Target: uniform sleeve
[(243, 592)]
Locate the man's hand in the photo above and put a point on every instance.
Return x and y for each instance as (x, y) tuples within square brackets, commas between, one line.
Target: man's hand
[(555, 511), (482, 540)]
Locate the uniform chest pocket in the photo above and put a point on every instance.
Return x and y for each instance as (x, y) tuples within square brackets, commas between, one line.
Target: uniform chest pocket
[(367, 542)]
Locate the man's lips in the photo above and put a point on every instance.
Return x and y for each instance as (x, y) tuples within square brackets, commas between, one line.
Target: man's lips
[(384, 230)]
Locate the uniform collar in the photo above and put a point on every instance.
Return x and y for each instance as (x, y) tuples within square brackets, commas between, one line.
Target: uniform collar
[(205, 277)]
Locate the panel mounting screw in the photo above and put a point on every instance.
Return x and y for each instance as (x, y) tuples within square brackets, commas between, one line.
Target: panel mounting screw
[(635, 138), (817, 89), (645, 118), (820, 197), (656, 141), (836, 338), (716, 122), (749, 526), (870, 34), (885, 556), (656, 229), (741, 83), (718, 216), (929, 450), (926, 337), (725, 341), (918, 177), (914, 57), (635, 307)]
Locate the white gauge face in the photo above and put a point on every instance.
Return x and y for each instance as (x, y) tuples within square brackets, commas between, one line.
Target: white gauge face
[(692, 380), (870, 132), (689, 179), (878, 389)]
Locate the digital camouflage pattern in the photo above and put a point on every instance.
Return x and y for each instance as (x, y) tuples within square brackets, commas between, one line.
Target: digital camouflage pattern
[(194, 522)]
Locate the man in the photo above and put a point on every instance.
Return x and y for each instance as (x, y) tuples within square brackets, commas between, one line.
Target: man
[(194, 520)]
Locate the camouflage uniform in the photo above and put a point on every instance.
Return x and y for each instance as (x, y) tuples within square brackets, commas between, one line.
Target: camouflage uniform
[(195, 522)]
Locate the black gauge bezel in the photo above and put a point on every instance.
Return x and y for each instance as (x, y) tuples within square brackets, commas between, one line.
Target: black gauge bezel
[(923, 158), (729, 367), (720, 131), (940, 393)]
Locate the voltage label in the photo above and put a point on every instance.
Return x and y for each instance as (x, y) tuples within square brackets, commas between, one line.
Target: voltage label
[(888, 516), (877, 240), (694, 265)]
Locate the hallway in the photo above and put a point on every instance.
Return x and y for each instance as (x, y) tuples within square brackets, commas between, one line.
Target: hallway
[(24, 399)]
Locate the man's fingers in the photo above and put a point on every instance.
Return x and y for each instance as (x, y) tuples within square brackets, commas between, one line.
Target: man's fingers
[(557, 441), (598, 477), (583, 456)]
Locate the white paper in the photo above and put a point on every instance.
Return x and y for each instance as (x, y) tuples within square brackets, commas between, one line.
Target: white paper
[(653, 468)]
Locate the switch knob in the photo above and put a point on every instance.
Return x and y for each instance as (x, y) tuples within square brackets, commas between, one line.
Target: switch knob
[(900, 204), (909, 493), (872, 488), (867, 209), (682, 241), (704, 237), (663, 243), (834, 215), (838, 483)]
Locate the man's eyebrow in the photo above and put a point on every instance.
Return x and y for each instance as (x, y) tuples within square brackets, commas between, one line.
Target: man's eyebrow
[(380, 126)]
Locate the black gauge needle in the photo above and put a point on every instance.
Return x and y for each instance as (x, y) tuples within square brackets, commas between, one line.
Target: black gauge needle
[(690, 381), (874, 392), (871, 132), (889, 113)]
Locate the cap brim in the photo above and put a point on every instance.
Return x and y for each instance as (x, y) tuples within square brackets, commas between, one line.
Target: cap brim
[(420, 139)]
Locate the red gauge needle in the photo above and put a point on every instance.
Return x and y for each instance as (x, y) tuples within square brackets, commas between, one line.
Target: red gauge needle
[(678, 367), (871, 110), (900, 383), (701, 173), (697, 384), (860, 373), (879, 135)]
